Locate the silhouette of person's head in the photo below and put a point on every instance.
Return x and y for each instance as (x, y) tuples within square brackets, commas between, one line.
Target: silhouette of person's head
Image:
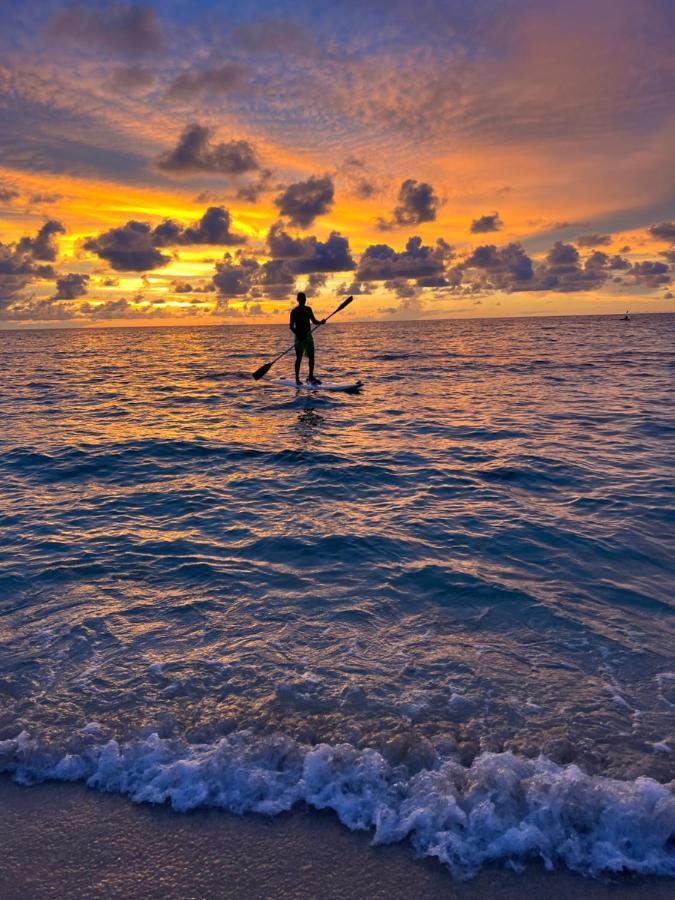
[(301, 299)]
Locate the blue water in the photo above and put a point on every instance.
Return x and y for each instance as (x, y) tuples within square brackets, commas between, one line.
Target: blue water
[(441, 607)]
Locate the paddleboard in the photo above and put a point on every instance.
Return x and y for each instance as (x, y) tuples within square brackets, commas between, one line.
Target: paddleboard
[(349, 387)]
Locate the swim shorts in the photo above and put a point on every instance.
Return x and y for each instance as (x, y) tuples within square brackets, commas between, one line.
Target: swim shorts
[(304, 345)]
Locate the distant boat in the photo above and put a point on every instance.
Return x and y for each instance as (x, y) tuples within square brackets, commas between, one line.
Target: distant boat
[(626, 318)]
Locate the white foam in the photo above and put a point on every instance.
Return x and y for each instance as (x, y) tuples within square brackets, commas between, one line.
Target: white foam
[(502, 809)]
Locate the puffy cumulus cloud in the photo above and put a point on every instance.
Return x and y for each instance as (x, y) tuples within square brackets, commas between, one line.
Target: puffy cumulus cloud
[(181, 287), (380, 262), (18, 268), (71, 286), (194, 152), (418, 203), (669, 255), (118, 28), (128, 79), (315, 281), (301, 203), (486, 223), (136, 246), (510, 269), (594, 240), (215, 81), (43, 246), (234, 275), (665, 231), (130, 248), (507, 268), (305, 255), (214, 227), (652, 274)]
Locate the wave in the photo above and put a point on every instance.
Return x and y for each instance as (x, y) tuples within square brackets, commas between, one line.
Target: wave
[(502, 809)]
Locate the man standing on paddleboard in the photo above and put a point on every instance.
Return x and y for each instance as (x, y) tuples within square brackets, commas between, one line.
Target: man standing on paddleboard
[(302, 317)]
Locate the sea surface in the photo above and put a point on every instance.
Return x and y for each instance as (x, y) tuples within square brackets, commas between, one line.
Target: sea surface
[(442, 607)]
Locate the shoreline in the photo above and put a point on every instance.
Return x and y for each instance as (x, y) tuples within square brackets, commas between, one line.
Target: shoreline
[(62, 840)]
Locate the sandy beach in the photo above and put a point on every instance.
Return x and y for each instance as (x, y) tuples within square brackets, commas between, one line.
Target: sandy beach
[(66, 841)]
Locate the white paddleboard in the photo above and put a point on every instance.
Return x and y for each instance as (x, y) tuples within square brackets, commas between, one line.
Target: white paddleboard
[(344, 386)]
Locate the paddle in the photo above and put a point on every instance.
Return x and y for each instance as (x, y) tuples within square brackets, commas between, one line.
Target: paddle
[(264, 369)]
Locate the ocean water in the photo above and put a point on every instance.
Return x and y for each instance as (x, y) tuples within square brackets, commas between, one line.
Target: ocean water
[(442, 607)]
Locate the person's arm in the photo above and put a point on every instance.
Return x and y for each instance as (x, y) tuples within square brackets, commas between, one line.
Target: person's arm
[(291, 323), (313, 318)]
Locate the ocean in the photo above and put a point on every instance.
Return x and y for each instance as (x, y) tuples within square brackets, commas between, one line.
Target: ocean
[(441, 607)]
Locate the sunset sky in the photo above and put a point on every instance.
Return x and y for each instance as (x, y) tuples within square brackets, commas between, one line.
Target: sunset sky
[(199, 162)]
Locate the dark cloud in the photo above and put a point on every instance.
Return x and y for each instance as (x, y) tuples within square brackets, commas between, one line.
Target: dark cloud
[(652, 274), (69, 287), (380, 262), (213, 228), (208, 82), (43, 246), (25, 261), (510, 269), (486, 223), (505, 268), (306, 255), (234, 275), (135, 247), (277, 276), (195, 153), (131, 78), (119, 28), (181, 287), (418, 203), (663, 232), (315, 281), (669, 255), (129, 248), (594, 240), (304, 201)]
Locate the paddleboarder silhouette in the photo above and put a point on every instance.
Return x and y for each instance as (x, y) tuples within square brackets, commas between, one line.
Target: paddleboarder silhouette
[(302, 317)]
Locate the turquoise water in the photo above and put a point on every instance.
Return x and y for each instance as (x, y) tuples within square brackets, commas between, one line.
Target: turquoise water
[(441, 607)]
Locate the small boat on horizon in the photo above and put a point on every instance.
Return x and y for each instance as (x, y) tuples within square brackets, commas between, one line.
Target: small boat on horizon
[(626, 318)]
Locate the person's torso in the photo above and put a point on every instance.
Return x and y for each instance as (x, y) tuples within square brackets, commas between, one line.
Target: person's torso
[(302, 316)]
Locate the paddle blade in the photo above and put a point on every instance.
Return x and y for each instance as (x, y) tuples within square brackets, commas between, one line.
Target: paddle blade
[(263, 370), (343, 304)]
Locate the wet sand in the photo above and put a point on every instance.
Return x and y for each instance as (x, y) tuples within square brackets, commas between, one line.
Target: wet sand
[(63, 840)]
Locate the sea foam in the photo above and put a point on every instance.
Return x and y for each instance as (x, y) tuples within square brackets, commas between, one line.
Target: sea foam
[(502, 809)]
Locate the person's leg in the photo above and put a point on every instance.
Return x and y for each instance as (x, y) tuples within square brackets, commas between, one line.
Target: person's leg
[(310, 356), (298, 361)]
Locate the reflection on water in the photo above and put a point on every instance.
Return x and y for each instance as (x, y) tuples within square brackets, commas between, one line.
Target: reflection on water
[(477, 549), (309, 425)]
